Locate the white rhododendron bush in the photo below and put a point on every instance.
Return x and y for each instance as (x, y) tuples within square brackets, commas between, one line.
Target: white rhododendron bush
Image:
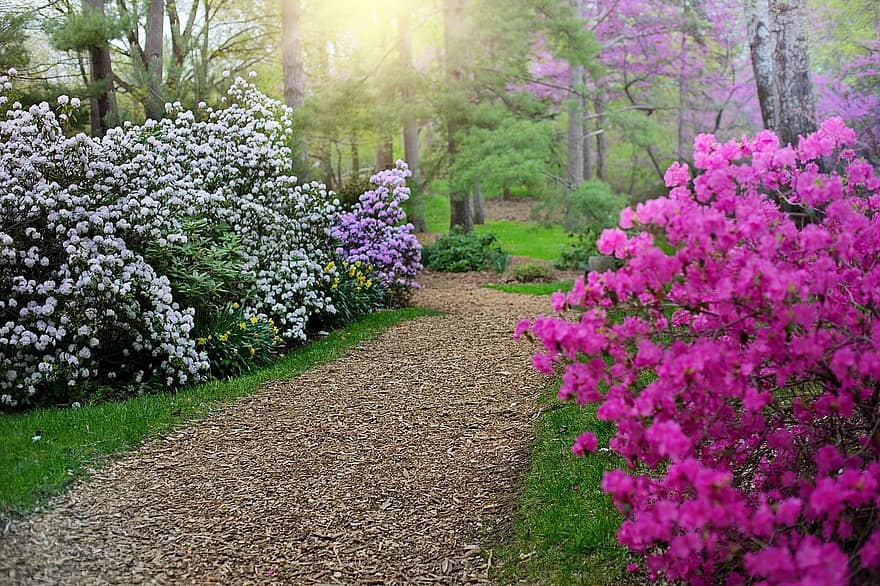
[(80, 219)]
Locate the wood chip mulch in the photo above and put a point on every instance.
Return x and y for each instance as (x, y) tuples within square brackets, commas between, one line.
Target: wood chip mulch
[(395, 464)]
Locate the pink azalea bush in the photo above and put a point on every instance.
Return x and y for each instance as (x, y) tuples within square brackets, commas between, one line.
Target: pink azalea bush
[(737, 351), (374, 232)]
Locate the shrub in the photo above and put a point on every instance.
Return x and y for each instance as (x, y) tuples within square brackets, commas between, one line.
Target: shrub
[(355, 291), (374, 233), (531, 272), (83, 219), (458, 252), (743, 380), (236, 342), (576, 255)]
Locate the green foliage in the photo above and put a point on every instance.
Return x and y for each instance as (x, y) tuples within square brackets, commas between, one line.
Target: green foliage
[(236, 343), (75, 440), (354, 293), (84, 30), (576, 254), (353, 189), (531, 272), (458, 252), (13, 40), (206, 271), (504, 153)]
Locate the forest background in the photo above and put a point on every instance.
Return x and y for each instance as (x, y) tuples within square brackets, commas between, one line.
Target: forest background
[(583, 103)]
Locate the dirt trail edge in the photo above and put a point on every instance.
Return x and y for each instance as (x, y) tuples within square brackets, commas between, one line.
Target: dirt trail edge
[(391, 465)]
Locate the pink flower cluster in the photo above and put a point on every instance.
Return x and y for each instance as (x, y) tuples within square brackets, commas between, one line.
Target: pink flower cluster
[(374, 231), (737, 351)]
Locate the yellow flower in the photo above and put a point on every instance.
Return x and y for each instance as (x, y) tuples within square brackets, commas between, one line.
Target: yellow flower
[(235, 306), (357, 263), (223, 337), (330, 266), (251, 348), (254, 320), (235, 350), (201, 341), (210, 337), (351, 271), (369, 283), (242, 325)]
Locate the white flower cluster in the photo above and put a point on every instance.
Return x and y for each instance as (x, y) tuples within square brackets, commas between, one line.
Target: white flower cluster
[(77, 299)]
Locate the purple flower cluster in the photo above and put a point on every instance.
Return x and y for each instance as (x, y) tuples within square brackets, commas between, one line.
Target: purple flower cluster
[(743, 373), (373, 232)]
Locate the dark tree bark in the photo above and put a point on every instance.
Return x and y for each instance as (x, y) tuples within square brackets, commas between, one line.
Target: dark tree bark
[(103, 113), (154, 106), (460, 209), (479, 215), (779, 47)]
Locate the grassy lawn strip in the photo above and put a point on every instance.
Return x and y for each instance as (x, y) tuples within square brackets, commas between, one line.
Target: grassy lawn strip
[(526, 239), (533, 288), (565, 531), (73, 440)]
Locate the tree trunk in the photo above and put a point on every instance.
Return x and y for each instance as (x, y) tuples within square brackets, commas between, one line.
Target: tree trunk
[(154, 106), (292, 61), (589, 152), (103, 112), (601, 138), (410, 124), (479, 213), (355, 156), (682, 100), (460, 209), (797, 107), (181, 46), (385, 154), (780, 58), (576, 116), (762, 44)]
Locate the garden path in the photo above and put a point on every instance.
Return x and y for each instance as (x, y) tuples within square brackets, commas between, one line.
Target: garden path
[(394, 464)]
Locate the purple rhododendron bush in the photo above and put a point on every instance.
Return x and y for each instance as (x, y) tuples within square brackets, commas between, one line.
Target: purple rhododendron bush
[(737, 351), (374, 232), (84, 220)]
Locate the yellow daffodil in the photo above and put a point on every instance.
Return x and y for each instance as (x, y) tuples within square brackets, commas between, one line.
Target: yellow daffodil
[(252, 351), (235, 350), (242, 325), (235, 306), (254, 320), (201, 341)]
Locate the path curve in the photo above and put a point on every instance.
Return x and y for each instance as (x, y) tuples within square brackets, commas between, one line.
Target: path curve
[(394, 464)]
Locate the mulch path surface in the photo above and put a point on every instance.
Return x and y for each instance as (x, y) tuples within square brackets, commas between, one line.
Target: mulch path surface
[(395, 464)]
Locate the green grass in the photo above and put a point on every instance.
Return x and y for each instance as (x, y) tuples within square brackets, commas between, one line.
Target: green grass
[(566, 528), (437, 213), (526, 239), (74, 440), (534, 288)]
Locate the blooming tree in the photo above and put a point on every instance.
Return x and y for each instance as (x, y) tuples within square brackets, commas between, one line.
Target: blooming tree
[(737, 351)]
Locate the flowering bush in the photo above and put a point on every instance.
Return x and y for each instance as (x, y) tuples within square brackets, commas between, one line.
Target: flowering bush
[(82, 219), (373, 232), (743, 376), (236, 342), (355, 291)]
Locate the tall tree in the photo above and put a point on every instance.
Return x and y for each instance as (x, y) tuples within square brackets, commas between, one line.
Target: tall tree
[(292, 60), (103, 112), (411, 145), (459, 198), (780, 58), (154, 105)]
